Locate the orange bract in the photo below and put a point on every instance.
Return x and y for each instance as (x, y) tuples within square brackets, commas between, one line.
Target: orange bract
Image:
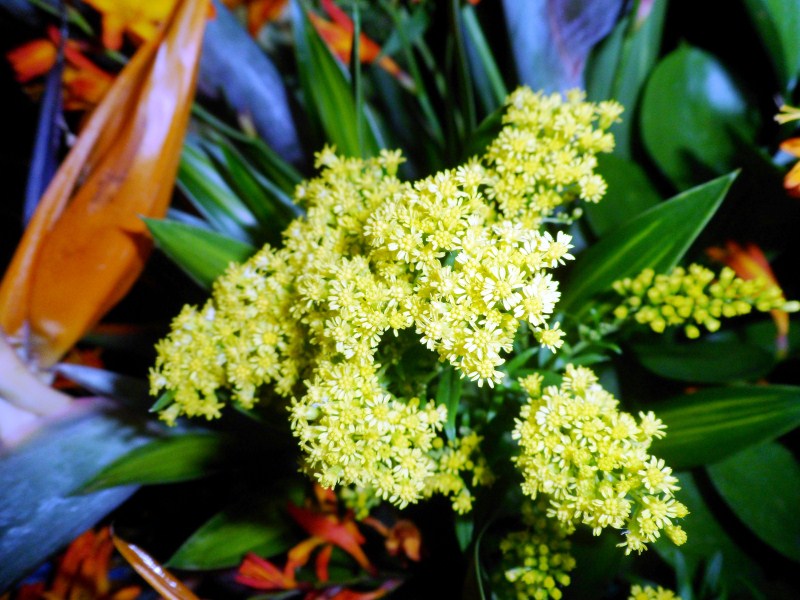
[(86, 243)]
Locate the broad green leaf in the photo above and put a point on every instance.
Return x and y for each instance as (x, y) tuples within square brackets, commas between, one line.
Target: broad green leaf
[(657, 238), (327, 91), (705, 361), (621, 64), (777, 22), (629, 193), (181, 457), (203, 254), (259, 527), (694, 117), (709, 425), (705, 539), (762, 486), (213, 198)]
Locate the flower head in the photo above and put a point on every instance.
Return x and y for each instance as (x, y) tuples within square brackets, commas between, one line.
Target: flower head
[(590, 461)]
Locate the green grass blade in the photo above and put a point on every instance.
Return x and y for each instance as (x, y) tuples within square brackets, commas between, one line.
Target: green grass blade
[(327, 91), (199, 180)]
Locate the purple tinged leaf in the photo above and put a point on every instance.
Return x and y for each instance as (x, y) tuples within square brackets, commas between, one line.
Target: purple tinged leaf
[(47, 142), (551, 39), (235, 69)]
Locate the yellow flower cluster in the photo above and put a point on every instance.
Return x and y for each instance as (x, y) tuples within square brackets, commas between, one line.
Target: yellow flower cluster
[(591, 461), (451, 462), (650, 593), (456, 257), (537, 560), (695, 297)]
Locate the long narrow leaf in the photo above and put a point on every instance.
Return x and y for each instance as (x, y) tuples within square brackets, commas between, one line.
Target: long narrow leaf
[(488, 81), (327, 90), (657, 239), (47, 141), (762, 486), (86, 239), (204, 255), (162, 581), (251, 525), (201, 182), (707, 426), (178, 458)]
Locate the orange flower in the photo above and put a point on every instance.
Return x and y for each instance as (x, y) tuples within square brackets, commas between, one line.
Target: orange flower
[(82, 573), (327, 529), (749, 262), (259, 12), (791, 181), (138, 19), (83, 82), (260, 574), (338, 34), (33, 59)]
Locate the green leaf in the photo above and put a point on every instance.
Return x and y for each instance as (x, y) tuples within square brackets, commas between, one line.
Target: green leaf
[(178, 458), (203, 254), (273, 166), (706, 538), (39, 513), (709, 425), (259, 527), (327, 91), (621, 64), (694, 117), (657, 238), (629, 193), (214, 199), (706, 361), (273, 208), (777, 22), (762, 486), (448, 393), (488, 81)]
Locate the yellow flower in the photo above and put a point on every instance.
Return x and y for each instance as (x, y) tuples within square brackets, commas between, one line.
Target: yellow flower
[(141, 19), (591, 463), (647, 592), (447, 256)]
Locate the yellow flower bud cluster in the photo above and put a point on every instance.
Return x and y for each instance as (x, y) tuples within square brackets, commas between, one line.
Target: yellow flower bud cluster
[(647, 592), (695, 297), (449, 257), (537, 561), (591, 461)]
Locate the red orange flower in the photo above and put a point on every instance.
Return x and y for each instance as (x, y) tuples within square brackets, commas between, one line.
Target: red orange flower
[(259, 12), (84, 83), (749, 262), (82, 573), (338, 35)]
